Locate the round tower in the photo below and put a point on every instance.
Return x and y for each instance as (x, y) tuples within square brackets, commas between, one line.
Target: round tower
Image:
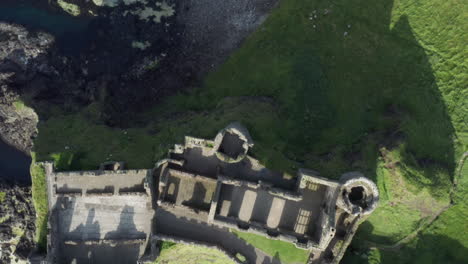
[(358, 194)]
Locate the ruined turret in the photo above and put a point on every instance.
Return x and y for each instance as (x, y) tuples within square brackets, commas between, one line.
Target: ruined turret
[(232, 143), (358, 195)]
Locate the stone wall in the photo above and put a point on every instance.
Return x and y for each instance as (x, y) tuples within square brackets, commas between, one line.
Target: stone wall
[(98, 212), (261, 186), (326, 221)]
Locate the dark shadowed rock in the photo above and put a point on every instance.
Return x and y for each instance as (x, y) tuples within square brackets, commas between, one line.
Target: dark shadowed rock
[(17, 217)]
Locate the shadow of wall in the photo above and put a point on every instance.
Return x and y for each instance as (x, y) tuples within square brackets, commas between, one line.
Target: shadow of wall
[(360, 87), (124, 250), (372, 86)]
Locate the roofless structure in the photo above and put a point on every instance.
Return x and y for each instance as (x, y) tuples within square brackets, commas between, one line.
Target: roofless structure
[(196, 195)]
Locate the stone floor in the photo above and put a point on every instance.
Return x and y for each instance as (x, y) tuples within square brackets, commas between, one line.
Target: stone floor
[(104, 181), (201, 161), (103, 253), (249, 204), (112, 217), (109, 221), (193, 192)]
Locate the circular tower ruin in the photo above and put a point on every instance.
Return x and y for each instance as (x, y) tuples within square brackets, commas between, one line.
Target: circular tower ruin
[(358, 195)]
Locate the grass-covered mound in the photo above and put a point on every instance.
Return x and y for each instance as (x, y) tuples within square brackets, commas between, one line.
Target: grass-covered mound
[(182, 254), (334, 86)]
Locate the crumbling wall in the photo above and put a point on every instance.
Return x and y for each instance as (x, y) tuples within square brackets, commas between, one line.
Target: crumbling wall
[(326, 222), (261, 186)]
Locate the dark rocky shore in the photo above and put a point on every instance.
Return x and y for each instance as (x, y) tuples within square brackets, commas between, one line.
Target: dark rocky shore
[(127, 62), (17, 218)]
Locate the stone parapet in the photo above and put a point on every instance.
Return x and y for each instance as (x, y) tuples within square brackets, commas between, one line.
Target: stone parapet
[(260, 186), (183, 208), (112, 242)]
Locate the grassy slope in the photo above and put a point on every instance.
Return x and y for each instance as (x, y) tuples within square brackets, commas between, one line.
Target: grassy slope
[(181, 254), (78, 142), (352, 85), (286, 252), (39, 194)]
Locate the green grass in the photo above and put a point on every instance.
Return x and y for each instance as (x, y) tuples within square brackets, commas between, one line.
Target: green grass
[(333, 91), (17, 231), (4, 218), (403, 208), (166, 245), (19, 105), (39, 195), (286, 252), (331, 86), (2, 196), (77, 142), (181, 254), (444, 241)]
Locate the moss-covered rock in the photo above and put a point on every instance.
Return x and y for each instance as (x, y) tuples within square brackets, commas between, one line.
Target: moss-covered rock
[(70, 8), (17, 222)]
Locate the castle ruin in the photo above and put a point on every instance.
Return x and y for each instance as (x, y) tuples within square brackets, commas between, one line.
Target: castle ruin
[(200, 192)]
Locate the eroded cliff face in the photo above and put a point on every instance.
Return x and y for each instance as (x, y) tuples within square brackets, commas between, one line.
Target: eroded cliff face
[(22, 58), (18, 125), (17, 217)]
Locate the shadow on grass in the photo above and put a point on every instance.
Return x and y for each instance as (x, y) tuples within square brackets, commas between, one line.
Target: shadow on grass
[(426, 249), (343, 91), (275, 260), (42, 234), (384, 93), (68, 161), (365, 233)]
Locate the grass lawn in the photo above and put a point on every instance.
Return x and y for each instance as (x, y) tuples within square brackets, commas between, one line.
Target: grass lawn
[(286, 252), (444, 241), (182, 254), (74, 141), (335, 86), (39, 195)]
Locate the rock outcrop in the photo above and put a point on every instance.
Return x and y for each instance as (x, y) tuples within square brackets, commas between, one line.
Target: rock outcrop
[(17, 217), (22, 57), (19, 126)]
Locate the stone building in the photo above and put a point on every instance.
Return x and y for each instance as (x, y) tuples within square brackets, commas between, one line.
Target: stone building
[(202, 190), (98, 216), (217, 182)]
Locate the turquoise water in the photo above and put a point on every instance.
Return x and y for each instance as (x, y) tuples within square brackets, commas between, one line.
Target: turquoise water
[(72, 34)]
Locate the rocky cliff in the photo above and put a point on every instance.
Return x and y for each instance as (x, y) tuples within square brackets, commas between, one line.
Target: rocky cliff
[(17, 218), (22, 58)]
